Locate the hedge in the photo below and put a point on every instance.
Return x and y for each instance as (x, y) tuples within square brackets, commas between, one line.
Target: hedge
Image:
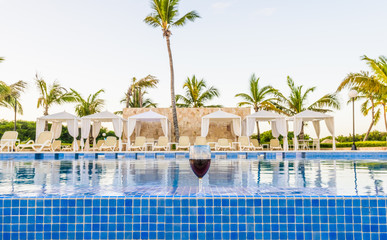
[(358, 144)]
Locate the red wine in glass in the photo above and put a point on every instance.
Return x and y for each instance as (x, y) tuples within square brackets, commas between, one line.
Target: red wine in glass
[(200, 161), (200, 166)]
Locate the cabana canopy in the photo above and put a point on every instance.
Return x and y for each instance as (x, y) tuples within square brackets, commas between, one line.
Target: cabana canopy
[(134, 122), (221, 116), (118, 125), (278, 124), (57, 119), (314, 117)]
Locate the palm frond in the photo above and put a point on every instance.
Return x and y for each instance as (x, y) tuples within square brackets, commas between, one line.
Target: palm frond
[(328, 101), (191, 16)]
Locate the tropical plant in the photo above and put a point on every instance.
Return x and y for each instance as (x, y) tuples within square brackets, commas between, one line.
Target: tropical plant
[(296, 102), (51, 95), (165, 15), (196, 94), (10, 95), (92, 104), (371, 90), (259, 98), (134, 97), (379, 69)]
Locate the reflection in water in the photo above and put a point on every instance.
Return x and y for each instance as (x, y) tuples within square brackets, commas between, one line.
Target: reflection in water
[(225, 177)]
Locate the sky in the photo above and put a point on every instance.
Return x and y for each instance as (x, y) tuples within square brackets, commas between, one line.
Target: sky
[(99, 44)]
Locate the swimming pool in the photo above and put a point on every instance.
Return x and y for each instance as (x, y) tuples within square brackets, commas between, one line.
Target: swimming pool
[(266, 196), (226, 177)]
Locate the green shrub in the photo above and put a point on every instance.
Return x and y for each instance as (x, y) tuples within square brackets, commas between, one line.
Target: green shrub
[(358, 144)]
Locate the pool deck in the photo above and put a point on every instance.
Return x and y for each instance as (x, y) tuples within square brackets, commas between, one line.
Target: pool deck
[(185, 154)]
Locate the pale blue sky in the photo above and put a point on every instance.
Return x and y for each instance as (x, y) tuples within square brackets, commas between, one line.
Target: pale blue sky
[(94, 44)]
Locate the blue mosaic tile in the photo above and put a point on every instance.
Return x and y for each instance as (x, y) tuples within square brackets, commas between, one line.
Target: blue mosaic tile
[(182, 218)]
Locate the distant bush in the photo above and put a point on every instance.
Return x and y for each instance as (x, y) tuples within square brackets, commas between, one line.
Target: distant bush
[(373, 136), (267, 136), (358, 144)]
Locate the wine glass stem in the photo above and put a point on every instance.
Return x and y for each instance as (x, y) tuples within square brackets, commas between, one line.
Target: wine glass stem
[(200, 185)]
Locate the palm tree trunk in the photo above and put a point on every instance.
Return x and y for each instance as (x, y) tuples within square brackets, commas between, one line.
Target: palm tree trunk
[(385, 117), (15, 109), (46, 123), (372, 122), (302, 132), (258, 133), (173, 100), (140, 97)]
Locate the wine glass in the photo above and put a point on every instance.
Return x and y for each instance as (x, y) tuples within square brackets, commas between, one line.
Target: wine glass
[(200, 161)]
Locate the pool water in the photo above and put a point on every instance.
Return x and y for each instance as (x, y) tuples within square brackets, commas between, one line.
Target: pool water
[(161, 177)]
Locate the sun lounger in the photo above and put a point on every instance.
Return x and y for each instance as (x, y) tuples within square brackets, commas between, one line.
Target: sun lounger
[(8, 141), (183, 143), (245, 144), (162, 144), (256, 145), (109, 144), (139, 144), (43, 142), (275, 144), (200, 141), (56, 145), (223, 144), (71, 148), (97, 147)]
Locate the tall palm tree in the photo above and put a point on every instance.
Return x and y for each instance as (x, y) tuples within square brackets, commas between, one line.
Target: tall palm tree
[(51, 95), (370, 89), (134, 97), (197, 94), (9, 97), (296, 102), (92, 104), (165, 15), (260, 98)]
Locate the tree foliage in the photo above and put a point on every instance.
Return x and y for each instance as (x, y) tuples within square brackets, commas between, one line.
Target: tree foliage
[(135, 95), (51, 94), (92, 104), (197, 93)]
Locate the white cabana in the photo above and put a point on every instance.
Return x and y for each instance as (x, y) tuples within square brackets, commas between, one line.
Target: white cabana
[(315, 118), (134, 122), (96, 119), (56, 128), (221, 116), (278, 124)]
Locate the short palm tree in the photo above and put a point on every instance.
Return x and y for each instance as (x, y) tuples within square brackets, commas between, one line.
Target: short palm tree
[(92, 104), (165, 15), (51, 95), (134, 97), (10, 95), (296, 102), (378, 67), (382, 102), (371, 90), (197, 94), (259, 98)]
